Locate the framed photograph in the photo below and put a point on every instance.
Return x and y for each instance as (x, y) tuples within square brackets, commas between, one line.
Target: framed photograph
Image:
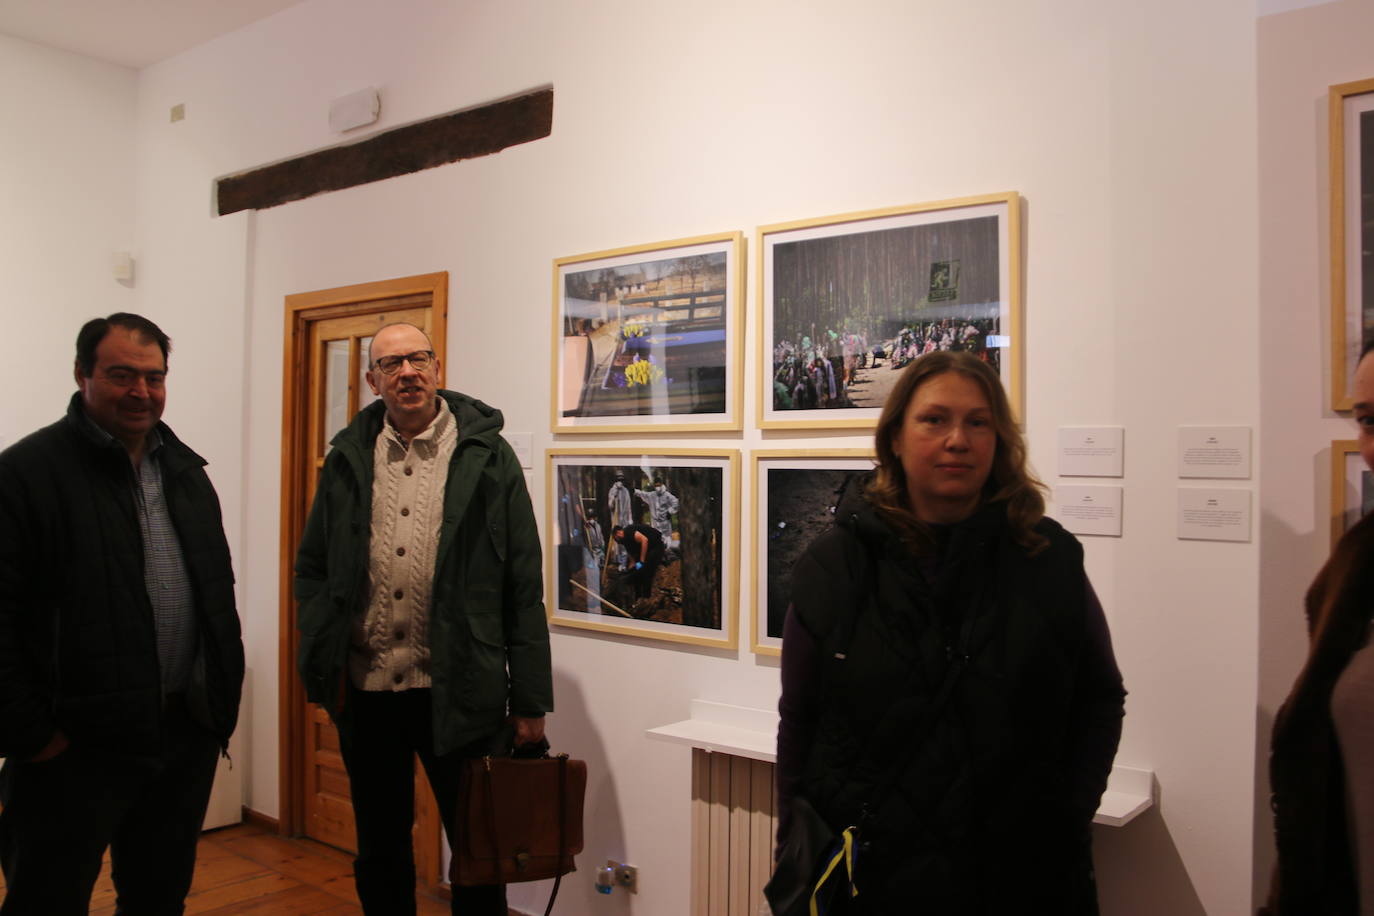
[(1351, 115), (795, 493), (1352, 487), (848, 301), (645, 543), (650, 337)]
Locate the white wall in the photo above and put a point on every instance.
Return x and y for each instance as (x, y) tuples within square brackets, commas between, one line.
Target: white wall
[(66, 205), (1301, 54), (1131, 139)]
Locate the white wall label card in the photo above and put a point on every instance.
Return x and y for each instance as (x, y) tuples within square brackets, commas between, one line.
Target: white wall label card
[(1214, 451), (1089, 510), (1090, 451), (523, 446), (1211, 514)]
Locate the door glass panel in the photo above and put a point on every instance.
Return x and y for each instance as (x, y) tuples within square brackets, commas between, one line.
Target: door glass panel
[(365, 395), (335, 389)]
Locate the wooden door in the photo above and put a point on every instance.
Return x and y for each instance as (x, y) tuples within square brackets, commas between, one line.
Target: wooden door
[(328, 334)]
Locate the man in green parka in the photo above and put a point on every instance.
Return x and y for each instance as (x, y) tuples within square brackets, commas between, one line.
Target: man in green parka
[(421, 612)]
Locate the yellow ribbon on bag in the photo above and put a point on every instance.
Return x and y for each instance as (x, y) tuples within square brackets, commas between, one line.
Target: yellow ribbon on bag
[(844, 852)]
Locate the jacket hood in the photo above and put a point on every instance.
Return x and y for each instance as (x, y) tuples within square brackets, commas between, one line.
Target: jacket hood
[(855, 513), (476, 420)]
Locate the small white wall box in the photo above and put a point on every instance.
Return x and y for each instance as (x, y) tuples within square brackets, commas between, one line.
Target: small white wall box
[(122, 265), (356, 110)]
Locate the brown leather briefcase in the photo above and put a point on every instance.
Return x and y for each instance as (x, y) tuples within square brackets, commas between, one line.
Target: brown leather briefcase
[(518, 820)]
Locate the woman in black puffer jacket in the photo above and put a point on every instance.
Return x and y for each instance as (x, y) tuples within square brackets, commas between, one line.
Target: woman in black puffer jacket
[(948, 678)]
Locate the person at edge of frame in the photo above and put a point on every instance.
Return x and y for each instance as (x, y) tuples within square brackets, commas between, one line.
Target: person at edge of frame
[(121, 661), (421, 608), (948, 680), (1322, 748)]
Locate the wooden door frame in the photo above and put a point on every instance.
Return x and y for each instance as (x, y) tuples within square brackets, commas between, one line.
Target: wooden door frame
[(301, 310)]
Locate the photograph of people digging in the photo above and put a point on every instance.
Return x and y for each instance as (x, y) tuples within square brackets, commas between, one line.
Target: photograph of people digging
[(640, 542)]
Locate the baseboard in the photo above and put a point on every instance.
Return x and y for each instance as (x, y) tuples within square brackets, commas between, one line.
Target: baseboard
[(258, 819)]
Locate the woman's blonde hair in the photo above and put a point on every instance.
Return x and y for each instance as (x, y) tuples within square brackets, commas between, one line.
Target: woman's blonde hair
[(1009, 481)]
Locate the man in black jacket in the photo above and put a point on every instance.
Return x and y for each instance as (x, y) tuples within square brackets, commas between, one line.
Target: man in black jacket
[(120, 655)]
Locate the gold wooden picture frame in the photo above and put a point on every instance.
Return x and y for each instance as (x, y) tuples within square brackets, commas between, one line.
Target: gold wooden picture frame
[(689, 591), (1352, 487), (795, 492), (845, 301), (650, 338), (1350, 108)]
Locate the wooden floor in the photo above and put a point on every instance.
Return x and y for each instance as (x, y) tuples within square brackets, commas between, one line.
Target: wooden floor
[(245, 869)]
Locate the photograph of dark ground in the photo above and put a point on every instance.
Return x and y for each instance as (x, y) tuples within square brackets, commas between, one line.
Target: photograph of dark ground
[(801, 505)]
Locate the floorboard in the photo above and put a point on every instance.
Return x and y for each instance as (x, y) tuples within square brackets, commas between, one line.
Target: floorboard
[(247, 869)]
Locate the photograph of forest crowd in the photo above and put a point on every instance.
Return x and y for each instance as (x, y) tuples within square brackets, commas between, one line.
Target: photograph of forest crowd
[(640, 542), (647, 338), (850, 311)]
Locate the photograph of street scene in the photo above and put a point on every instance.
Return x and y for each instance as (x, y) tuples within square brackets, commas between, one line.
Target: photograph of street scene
[(639, 541), (849, 311), (645, 337)]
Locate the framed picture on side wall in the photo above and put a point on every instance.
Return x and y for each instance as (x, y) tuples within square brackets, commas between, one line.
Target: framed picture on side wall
[(847, 301), (650, 337), (645, 542), (795, 494), (1351, 112), (1352, 487)]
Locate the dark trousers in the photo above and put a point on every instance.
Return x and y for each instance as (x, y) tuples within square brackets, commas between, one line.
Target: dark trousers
[(388, 730), (643, 578), (60, 816)]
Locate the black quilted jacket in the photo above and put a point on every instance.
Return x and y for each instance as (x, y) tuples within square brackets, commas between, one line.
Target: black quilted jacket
[(986, 809), (78, 651)]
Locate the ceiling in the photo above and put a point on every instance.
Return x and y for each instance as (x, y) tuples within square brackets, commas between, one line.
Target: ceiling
[(133, 33)]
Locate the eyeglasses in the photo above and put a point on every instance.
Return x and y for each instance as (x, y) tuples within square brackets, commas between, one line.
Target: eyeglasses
[(128, 378), (419, 361)]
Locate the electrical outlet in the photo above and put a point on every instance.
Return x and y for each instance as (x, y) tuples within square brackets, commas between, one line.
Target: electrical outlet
[(626, 876)]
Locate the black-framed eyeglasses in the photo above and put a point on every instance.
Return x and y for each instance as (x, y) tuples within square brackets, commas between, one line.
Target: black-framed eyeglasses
[(419, 361)]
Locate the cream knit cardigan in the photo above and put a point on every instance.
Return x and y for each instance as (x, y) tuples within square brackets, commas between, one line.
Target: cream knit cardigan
[(390, 649)]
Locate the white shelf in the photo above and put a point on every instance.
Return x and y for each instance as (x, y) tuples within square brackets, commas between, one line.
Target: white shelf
[(719, 727), (1129, 792), (753, 733)]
